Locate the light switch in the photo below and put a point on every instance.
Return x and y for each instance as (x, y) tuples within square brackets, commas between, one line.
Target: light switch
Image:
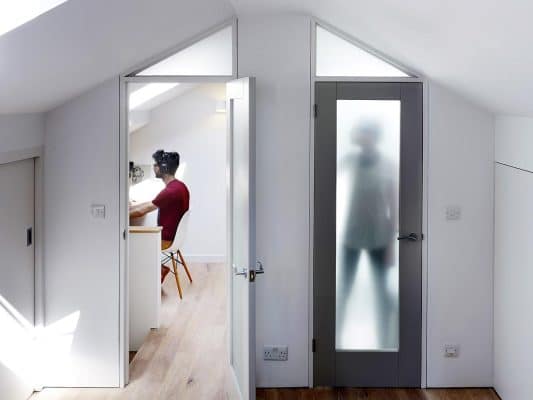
[(98, 211), (453, 213), (451, 351)]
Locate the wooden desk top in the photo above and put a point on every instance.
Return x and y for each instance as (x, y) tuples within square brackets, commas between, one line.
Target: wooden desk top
[(145, 229)]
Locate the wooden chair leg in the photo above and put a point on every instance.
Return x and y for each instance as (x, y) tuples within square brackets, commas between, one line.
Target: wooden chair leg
[(176, 275), (184, 265)]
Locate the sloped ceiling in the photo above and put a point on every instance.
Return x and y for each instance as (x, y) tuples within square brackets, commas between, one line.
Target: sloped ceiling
[(83, 42), (479, 48)]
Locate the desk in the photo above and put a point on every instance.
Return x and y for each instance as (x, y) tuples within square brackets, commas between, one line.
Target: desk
[(145, 282)]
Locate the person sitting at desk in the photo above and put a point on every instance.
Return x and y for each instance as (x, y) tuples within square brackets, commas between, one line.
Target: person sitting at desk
[(172, 202)]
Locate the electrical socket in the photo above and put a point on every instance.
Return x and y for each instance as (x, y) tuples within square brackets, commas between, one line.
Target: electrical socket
[(276, 353)]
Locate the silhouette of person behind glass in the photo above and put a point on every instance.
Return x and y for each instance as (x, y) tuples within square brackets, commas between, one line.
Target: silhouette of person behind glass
[(370, 220)]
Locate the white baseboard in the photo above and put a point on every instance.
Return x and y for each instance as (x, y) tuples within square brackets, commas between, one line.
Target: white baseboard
[(205, 258)]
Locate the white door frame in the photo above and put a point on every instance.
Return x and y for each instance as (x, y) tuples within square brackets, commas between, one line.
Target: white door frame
[(425, 137), (126, 78)]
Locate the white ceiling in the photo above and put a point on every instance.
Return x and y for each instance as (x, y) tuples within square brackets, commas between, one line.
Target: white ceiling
[(478, 48), (81, 43)]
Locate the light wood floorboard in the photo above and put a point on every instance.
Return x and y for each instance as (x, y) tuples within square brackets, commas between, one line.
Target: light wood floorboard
[(186, 358)]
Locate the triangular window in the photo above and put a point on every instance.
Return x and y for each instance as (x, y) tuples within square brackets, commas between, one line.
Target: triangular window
[(336, 56), (210, 56)]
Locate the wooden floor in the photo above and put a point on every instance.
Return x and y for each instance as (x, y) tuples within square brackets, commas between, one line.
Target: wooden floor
[(185, 358), (376, 394)]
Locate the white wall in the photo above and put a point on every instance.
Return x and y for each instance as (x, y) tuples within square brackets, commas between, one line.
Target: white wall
[(513, 321), (81, 256), (275, 49), (189, 125), (21, 131), (460, 253)]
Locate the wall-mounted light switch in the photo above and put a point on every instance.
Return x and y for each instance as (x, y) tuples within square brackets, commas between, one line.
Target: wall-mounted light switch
[(98, 211), (451, 351)]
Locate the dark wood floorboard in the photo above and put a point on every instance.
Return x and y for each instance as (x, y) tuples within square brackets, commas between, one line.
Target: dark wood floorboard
[(376, 394)]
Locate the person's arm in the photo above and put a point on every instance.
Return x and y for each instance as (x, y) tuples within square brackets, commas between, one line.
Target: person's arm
[(138, 210)]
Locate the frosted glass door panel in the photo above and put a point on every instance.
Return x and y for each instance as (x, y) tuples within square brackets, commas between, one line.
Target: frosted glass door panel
[(367, 288)]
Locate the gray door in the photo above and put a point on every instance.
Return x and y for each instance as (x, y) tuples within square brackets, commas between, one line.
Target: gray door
[(367, 234)]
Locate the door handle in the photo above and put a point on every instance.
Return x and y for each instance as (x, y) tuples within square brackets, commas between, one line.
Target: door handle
[(260, 269), (29, 237), (412, 237), (255, 271)]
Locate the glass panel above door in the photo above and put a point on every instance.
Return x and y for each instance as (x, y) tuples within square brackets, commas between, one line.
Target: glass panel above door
[(367, 289), (210, 56), (336, 56)]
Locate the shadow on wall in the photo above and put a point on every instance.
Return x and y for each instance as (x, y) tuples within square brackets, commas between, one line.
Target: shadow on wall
[(32, 353)]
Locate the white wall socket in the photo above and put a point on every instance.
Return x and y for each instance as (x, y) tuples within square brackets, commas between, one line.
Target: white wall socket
[(276, 353), (451, 351)]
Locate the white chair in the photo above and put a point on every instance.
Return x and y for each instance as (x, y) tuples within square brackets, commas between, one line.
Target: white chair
[(175, 249)]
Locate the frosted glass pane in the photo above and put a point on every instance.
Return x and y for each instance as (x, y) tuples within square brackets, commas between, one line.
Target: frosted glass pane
[(368, 151), (210, 56), (338, 57)]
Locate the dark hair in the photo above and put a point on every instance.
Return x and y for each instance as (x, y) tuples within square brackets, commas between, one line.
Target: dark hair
[(167, 162)]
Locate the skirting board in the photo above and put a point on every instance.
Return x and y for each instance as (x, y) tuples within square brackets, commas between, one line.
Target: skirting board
[(205, 258)]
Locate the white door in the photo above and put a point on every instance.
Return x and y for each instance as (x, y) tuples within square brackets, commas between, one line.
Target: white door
[(16, 278), (241, 128)]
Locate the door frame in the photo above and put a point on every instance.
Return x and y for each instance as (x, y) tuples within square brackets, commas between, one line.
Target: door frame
[(126, 78), (425, 157)]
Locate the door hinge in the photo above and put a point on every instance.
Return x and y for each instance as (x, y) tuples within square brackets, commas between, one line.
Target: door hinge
[(315, 110), (313, 345), (124, 234)]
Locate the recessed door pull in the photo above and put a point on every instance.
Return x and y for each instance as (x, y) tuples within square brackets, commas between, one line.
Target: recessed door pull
[(412, 237)]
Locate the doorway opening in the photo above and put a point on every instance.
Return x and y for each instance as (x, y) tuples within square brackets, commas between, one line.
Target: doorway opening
[(187, 145), (189, 307)]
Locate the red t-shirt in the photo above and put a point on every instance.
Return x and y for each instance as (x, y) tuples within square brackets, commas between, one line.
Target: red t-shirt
[(172, 202)]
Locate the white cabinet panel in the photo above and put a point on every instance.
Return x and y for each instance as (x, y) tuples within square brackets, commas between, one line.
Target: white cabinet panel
[(514, 141), (513, 277)]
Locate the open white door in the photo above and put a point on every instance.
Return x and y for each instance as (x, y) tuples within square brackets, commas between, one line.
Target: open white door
[(241, 127)]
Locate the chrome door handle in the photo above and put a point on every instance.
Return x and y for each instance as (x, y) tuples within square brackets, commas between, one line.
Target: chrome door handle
[(260, 270), (255, 271), (412, 237)]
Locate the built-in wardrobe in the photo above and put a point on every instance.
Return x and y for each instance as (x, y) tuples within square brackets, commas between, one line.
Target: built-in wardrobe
[(513, 258)]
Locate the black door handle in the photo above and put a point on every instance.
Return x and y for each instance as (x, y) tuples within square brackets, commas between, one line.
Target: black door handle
[(413, 237)]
